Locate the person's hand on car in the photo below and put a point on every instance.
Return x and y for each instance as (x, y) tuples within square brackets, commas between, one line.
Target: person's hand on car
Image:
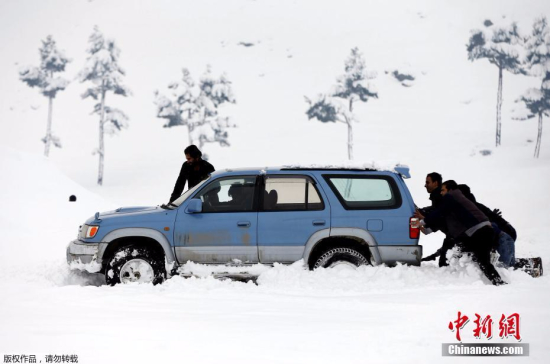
[(418, 215)]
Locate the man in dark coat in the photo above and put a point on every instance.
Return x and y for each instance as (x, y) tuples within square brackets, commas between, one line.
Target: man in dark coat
[(506, 236), (467, 224), (433, 187), (494, 216), (193, 171)]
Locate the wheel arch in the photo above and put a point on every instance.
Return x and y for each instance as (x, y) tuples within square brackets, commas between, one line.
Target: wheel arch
[(135, 236), (358, 238)]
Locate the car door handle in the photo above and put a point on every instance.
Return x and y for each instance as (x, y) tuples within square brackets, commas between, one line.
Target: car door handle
[(243, 223), (319, 222)]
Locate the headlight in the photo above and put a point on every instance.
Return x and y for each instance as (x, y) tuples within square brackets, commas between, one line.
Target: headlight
[(91, 231)]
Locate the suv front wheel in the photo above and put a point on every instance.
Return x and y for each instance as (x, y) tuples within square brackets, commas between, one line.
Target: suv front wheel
[(336, 256), (135, 264)]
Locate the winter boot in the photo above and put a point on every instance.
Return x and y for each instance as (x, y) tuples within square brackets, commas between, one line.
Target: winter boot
[(537, 267), (531, 266)]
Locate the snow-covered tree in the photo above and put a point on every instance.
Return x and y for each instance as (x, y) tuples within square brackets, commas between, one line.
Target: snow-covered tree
[(197, 107), (337, 105), (103, 71), (537, 100), (52, 61), (500, 46)]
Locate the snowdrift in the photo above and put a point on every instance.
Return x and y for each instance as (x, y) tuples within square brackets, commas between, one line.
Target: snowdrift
[(37, 220)]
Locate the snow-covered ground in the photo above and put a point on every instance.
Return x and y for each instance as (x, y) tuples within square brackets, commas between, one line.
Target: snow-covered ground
[(373, 314)]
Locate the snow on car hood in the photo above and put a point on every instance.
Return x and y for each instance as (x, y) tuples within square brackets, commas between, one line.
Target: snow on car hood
[(123, 211), (128, 210)]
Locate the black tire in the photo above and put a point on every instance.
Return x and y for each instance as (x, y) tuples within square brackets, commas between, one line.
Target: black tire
[(340, 254), (133, 255)]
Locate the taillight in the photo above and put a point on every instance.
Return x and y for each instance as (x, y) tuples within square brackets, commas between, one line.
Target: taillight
[(414, 228)]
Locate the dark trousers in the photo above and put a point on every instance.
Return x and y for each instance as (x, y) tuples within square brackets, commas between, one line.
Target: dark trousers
[(448, 244), (480, 245)]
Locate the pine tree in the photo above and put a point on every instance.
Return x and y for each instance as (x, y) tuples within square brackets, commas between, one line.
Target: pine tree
[(197, 107), (103, 71), (537, 100), (337, 106), (52, 61), (499, 45)]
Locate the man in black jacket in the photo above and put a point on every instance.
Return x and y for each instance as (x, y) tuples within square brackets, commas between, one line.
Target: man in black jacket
[(193, 171), (506, 235), (493, 215), (433, 187), (467, 224)]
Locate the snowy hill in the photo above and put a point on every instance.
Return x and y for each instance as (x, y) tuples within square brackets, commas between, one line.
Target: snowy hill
[(36, 217)]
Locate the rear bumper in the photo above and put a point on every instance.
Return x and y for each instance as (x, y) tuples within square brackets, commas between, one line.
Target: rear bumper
[(83, 256), (407, 254)]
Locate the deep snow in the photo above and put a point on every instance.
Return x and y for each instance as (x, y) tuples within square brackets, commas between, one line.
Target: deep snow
[(374, 314)]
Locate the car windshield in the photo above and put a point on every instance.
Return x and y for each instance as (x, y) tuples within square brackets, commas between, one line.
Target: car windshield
[(188, 193)]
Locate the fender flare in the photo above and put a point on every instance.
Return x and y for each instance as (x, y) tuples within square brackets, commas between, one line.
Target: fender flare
[(345, 233), (313, 240), (142, 232)]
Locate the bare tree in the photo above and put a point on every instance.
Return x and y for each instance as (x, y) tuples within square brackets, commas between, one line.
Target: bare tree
[(197, 107), (52, 61), (337, 105), (103, 71), (498, 46), (537, 100)]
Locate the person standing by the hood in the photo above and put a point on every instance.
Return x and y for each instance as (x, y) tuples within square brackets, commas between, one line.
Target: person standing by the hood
[(193, 170)]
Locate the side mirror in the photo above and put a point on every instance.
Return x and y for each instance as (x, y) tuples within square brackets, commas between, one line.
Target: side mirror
[(194, 206)]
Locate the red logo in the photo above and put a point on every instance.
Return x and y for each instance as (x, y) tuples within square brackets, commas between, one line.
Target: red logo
[(484, 327), (458, 324), (508, 326)]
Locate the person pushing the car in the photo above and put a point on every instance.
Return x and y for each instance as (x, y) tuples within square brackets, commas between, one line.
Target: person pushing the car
[(194, 170)]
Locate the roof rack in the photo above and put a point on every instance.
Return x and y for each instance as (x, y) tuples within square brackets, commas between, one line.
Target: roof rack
[(327, 169), (400, 169)]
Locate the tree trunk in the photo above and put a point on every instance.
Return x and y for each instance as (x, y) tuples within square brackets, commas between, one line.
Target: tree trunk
[(48, 138), (350, 140), (101, 149), (189, 128), (499, 107), (539, 137), (350, 131), (189, 134)]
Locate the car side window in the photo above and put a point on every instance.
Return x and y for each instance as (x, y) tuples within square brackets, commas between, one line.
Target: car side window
[(233, 194), (365, 192), (291, 194)]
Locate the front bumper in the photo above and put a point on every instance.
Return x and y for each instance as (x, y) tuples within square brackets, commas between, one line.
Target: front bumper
[(84, 256)]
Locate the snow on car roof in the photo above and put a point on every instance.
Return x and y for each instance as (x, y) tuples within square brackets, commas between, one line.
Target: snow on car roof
[(388, 166), (393, 167)]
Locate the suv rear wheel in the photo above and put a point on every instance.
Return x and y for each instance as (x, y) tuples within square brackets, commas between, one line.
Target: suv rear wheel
[(135, 264), (336, 256)]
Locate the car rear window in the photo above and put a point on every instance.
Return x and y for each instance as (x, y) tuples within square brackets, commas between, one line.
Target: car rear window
[(365, 192), (291, 194)]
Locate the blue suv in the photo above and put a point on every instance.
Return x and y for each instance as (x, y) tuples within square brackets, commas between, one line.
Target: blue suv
[(326, 217)]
